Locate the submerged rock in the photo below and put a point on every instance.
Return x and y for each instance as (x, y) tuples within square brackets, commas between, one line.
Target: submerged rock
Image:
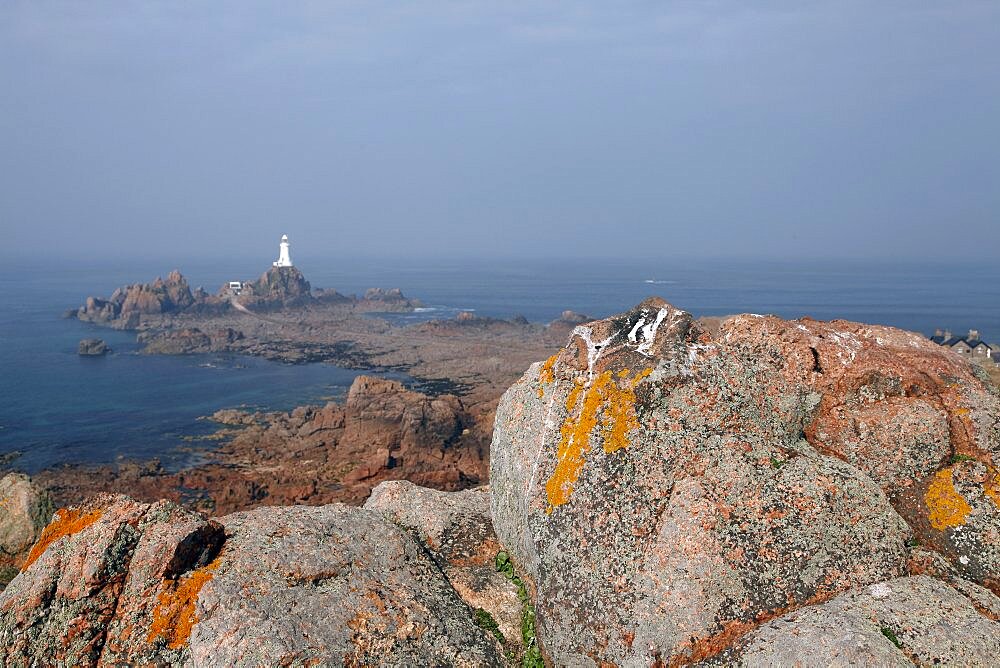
[(667, 488), (92, 348), (115, 582)]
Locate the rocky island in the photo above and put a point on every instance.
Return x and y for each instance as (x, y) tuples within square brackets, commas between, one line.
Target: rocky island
[(662, 491)]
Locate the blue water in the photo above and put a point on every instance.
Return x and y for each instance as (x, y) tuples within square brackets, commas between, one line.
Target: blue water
[(56, 407)]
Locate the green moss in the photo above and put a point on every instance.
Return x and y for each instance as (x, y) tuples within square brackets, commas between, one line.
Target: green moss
[(532, 655), (777, 463), (956, 458), (504, 564), (486, 622), (891, 635)]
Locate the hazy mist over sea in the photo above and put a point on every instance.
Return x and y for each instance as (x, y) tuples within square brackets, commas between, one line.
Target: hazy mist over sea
[(561, 129)]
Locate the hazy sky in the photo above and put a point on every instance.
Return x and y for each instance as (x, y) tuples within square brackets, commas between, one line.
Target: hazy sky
[(796, 129)]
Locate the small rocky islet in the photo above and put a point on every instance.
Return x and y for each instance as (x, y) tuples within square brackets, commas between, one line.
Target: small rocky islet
[(662, 491)]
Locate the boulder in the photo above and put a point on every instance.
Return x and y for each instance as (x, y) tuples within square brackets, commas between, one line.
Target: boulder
[(667, 487), (115, 582), (24, 511), (92, 348), (457, 531), (918, 419), (914, 620)]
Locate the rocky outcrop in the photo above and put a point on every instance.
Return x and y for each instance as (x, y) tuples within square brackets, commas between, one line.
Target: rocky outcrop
[(92, 348), (564, 324), (668, 487), (24, 511), (117, 582), (384, 295), (384, 300), (457, 531), (127, 304), (313, 454), (278, 287)]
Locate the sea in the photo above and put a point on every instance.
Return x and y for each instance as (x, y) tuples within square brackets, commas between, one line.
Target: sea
[(58, 408)]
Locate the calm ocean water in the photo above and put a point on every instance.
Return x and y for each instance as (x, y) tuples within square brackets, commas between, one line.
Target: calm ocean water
[(56, 407)]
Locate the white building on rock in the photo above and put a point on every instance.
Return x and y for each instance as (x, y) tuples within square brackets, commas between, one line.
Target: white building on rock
[(284, 260)]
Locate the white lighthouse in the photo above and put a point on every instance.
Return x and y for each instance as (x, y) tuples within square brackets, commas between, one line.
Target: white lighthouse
[(284, 260)]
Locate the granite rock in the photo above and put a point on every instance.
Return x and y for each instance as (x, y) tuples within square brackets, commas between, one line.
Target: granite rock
[(668, 485), (457, 531), (24, 511), (901, 622), (116, 582)]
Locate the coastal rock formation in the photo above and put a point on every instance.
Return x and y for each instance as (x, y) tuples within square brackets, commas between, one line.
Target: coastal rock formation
[(668, 487), (457, 531), (276, 288), (127, 304), (341, 451), (24, 511), (115, 582), (92, 348), (313, 454)]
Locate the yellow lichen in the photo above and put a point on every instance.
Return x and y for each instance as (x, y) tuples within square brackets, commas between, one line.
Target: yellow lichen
[(992, 486), (174, 615), (947, 507), (68, 521), (546, 374), (604, 398)]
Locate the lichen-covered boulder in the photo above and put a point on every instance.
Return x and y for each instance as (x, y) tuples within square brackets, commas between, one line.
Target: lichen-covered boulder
[(57, 610), (657, 485), (902, 622), (24, 511), (330, 585), (116, 582), (918, 419), (457, 530)]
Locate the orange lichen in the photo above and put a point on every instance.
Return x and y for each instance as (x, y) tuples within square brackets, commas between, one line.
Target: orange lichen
[(68, 521), (992, 486), (603, 398), (174, 615), (547, 374), (947, 507)]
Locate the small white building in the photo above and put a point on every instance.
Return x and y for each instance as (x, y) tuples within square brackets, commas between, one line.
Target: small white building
[(284, 259), (236, 287)]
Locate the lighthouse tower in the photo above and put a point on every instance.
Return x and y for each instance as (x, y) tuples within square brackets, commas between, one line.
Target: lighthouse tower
[(283, 258)]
